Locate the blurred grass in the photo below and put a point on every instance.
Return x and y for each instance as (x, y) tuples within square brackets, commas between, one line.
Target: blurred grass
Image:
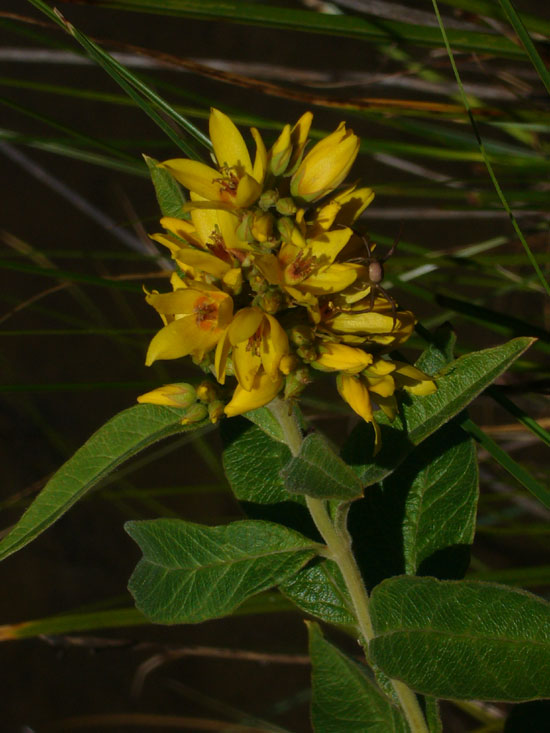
[(461, 257)]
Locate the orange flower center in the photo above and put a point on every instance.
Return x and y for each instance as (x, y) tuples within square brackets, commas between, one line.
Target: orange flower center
[(206, 313)]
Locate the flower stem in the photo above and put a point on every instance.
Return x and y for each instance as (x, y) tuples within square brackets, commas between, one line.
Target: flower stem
[(338, 541)]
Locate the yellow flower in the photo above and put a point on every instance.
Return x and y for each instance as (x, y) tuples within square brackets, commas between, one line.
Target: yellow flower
[(257, 342), (381, 379), (358, 323), (355, 392), (287, 150), (325, 166), (195, 317), (341, 358), (263, 390), (171, 395), (237, 183), (341, 210), (306, 268)]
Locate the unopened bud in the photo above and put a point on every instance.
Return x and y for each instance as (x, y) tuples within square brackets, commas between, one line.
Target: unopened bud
[(301, 335), (268, 199), (286, 206), (170, 395), (296, 382), (196, 413), (215, 410), (307, 354), (207, 392), (270, 301)]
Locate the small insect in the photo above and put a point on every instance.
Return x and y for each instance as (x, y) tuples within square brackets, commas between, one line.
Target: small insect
[(375, 274)]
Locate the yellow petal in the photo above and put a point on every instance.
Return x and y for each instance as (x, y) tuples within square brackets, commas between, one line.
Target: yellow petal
[(298, 136), (263, 391), (339, 357), (173, 341), (328, 245), (203, 261), (229, 146), (220, 360), (248, 191), (245, 324), (274, 346), (279, 155), (356, 394), (383, 386), (330, 279), (260, 160), (246, 364), (195, 176)]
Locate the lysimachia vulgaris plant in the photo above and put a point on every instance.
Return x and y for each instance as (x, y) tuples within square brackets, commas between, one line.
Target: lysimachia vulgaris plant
[(273, 286)]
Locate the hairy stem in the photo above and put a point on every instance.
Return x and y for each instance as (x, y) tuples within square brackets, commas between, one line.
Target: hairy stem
[(338, 542)]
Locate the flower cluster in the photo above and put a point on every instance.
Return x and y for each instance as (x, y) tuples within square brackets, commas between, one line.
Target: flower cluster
[(272, 280)]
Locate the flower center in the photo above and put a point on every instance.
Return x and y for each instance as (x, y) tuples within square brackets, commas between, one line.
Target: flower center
[(206, 313)]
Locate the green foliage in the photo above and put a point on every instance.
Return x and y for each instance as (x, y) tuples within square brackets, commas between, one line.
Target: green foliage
[(191, 573), (169, 193), (253, 463), (317, 471), (457, 385), (319, 590), (115, 442), (345, 696), (462, 639), (421, 518)]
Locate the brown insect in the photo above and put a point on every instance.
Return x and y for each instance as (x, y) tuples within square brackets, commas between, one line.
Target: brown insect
[(375, 274)]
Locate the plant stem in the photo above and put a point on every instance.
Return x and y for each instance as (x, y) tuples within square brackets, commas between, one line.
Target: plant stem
[(338, 541)]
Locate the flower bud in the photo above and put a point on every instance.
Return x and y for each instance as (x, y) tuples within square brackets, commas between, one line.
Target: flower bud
[(286, 206), (215, 410), (326, 165), (268, 199), (207, 392), (296, 382), (279, 155), (170, 395), (196, 413)]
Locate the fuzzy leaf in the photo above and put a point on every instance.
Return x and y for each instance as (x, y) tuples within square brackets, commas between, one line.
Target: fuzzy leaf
[(169, 194), (317, 471), (253, 463), (345, 698), (457, 385), (319, 589), (191, 573), (462, 639)]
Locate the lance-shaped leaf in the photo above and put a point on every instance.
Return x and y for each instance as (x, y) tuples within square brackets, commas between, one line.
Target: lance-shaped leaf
[(317, 471), (320, 590), (191, 573), (169, 193), (253, 462), (420, 519), (462, 639), (458, 384), (115, 442), (345, 697)]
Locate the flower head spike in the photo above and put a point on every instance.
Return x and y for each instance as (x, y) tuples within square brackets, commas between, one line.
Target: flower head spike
[(268, 288)]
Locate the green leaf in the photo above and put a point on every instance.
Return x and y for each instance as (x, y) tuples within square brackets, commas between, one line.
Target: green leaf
[(319, 590), (169, 193), (119, 439), (421, 518), (260, 14), (253, 463), (317, 471), (457, 385), (440, 350), (345, 698), (462, 639), (191, 573), (441, 504)]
